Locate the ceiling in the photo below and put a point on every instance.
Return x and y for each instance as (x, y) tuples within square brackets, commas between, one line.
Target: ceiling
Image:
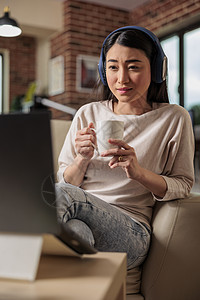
[(121, 4)]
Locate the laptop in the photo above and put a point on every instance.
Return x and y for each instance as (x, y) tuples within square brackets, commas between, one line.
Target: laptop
[(27, 197)]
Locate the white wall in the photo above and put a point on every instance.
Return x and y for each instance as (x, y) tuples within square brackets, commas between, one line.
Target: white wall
[(41, 19), (36, 16), (42, 60)]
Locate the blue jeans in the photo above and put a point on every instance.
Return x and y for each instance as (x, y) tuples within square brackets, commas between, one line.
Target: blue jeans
[(102, 225)]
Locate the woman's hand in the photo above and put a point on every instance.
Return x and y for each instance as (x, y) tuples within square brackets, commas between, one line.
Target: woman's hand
[(85, 142), (125, 157)]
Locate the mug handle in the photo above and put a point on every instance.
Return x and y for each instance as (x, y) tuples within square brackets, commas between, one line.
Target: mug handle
[(93, 145)]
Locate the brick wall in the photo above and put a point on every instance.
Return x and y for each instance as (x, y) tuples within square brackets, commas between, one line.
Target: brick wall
[(157, 14), (22, 55), (85, 27)]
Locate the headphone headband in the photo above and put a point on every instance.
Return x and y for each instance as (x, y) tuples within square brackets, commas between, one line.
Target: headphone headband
[(159, 64)]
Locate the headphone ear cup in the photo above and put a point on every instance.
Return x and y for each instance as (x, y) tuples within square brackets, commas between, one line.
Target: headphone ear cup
[(102, 69), (159, 69), (155, 71), (159, 64), (164, 68), (104, 73)]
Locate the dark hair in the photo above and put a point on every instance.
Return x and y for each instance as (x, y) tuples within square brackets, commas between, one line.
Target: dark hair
[(135, 39)]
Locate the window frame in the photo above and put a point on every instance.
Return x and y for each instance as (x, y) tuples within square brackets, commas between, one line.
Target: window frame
[(2, 83), (180, 34), (6, 80)]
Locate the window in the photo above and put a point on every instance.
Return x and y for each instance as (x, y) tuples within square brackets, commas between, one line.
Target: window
[(192, 68), (182, 49), (4, 80), (1, 83), (171, 49)]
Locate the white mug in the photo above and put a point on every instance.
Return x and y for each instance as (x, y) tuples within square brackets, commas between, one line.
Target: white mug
[(107, 129)]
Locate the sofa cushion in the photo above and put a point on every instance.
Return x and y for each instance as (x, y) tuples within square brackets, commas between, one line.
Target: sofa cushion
[(171, 270), (133, 281), (134, 297), (59, 129)]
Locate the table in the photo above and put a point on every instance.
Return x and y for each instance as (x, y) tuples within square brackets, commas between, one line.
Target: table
[(100, 276)]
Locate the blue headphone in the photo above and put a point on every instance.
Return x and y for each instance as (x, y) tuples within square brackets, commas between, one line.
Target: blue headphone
[(159, 65)]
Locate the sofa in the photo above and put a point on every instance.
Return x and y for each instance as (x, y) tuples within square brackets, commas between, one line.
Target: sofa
[(172, 268)]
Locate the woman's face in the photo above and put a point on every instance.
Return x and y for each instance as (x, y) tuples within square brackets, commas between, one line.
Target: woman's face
[(128, 73)]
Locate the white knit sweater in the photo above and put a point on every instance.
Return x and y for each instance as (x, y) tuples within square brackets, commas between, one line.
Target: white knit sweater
[(164, 143)]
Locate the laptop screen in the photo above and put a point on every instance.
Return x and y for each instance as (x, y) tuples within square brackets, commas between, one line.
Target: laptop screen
[(27, 201)]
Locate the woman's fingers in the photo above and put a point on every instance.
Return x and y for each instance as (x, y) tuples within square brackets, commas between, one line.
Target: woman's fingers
[(123, 149), (85, 141), (119, 143)]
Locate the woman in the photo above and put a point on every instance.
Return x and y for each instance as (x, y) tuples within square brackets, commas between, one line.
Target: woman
[(108, 198)]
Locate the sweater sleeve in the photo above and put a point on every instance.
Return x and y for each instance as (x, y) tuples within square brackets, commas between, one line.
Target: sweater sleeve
[(179, 169)]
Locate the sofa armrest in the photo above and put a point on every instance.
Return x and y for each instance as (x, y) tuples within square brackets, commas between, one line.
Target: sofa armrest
[(171, 270), (59, 129)]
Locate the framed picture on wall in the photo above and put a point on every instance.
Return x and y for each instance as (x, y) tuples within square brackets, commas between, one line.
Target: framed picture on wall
[(56, 75), (86, 72)]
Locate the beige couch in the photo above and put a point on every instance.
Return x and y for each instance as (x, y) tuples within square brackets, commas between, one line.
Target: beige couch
[(172, 268)]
